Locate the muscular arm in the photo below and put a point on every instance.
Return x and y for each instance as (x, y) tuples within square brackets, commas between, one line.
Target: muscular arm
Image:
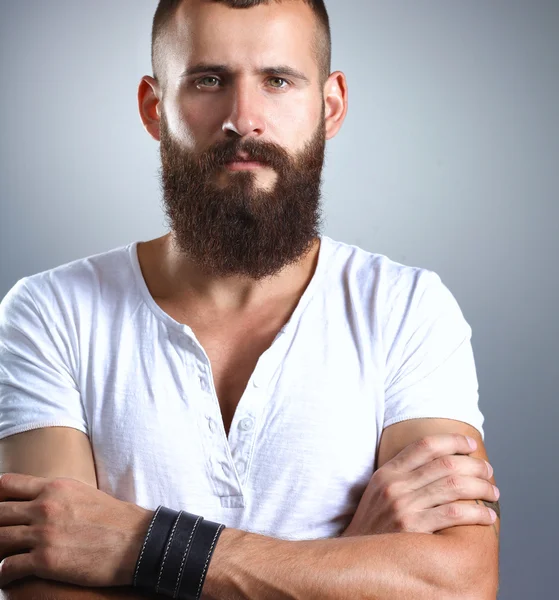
[(404, 565), (249, 566), (457, 563), (55, 452), (49, 452)]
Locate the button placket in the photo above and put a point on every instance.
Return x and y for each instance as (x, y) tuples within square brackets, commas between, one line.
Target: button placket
[(226, 482), (241, 438), (241, 461)]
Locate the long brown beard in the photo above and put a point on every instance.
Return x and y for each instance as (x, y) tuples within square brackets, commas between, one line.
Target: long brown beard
[(240, 229)]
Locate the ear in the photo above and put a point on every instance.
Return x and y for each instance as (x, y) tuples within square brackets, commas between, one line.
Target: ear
[(335, 102), (149, 94)]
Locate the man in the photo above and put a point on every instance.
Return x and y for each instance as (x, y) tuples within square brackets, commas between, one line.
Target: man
[(313, 397)]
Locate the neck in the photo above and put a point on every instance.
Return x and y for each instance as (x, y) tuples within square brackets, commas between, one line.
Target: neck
[(174, 278)]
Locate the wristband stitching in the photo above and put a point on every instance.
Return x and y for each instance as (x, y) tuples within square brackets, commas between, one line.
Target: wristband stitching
[(219, 529), (145, 542), (167, 551), (184, 556)]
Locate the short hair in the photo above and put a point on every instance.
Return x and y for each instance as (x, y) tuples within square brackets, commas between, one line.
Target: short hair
[(167, 9)]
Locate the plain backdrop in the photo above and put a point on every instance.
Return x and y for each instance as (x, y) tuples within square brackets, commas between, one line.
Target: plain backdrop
[(449, 160)]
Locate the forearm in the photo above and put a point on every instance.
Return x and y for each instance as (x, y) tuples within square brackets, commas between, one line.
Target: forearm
[(406, 566), (247, 566), (41, 589)]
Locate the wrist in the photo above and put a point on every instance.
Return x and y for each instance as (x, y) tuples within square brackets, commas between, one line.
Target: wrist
[(176, 554), (223, 572)]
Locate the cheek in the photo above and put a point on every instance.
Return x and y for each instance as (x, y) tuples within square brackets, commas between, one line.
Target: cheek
[(295, 123), (193, 124)]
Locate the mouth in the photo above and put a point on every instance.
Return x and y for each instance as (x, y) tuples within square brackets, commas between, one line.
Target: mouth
[(240, 165), (243, 161)]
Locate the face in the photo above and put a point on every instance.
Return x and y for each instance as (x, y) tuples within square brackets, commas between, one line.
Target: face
[(242, 136)]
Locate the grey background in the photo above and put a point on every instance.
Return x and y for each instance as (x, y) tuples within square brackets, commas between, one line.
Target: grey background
[(449, 159)]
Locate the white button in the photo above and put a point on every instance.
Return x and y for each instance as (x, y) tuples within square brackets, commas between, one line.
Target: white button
[(241, 468), (246, 424), (211, 425)]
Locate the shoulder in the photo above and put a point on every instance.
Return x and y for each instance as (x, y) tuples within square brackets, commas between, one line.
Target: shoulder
[(353, 259), (64, 290), (381, 281)]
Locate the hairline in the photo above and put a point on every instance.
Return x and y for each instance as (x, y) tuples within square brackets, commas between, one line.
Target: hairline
[(321, 44)]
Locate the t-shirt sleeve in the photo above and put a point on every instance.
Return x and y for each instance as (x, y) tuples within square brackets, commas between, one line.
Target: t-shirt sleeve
[(37, 384), (431, 370)]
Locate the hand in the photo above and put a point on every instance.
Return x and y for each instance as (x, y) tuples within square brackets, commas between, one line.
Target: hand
[(65, 530), (417, 490)]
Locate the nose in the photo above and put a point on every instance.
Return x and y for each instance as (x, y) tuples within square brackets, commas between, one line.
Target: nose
[(246, 117)]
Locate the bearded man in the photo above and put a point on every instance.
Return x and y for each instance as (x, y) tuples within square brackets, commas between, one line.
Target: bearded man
[(244, 407)]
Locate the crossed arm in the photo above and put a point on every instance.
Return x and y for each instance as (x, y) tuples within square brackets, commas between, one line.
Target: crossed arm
[(460, 562), (456, 563), (402, 565)]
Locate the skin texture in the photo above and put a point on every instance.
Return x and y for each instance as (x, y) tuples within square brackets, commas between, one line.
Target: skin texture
[(418, 489), (66, 530)]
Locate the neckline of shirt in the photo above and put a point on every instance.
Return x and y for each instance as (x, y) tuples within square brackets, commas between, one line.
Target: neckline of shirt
[(324, 255)]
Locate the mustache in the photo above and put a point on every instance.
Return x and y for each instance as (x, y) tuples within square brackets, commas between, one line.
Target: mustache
[(265, 152)]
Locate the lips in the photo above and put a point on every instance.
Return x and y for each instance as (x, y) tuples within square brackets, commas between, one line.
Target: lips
[(244, 159)]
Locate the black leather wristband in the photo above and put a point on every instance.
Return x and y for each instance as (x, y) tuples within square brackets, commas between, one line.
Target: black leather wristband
[(176, 553), (149, 560), (195, 571)]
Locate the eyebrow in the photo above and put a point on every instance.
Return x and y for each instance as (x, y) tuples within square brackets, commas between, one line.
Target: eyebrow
[(278, 71)]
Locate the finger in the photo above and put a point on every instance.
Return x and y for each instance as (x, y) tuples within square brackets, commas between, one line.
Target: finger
[(15, 513), (429, 448), (15, 539), (16, 567), (17, 486), (452, 488), (454, 514), (448, 465)]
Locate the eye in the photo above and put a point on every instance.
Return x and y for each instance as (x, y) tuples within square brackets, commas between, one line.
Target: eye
[(208, 81), (280, 80)]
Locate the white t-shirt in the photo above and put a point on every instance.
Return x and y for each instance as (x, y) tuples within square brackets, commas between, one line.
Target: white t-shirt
[(372, 342)]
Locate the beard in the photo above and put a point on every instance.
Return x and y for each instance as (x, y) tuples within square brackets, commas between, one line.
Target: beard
[(238, 228)]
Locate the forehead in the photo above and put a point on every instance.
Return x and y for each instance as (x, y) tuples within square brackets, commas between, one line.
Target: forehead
[(275, 33)]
